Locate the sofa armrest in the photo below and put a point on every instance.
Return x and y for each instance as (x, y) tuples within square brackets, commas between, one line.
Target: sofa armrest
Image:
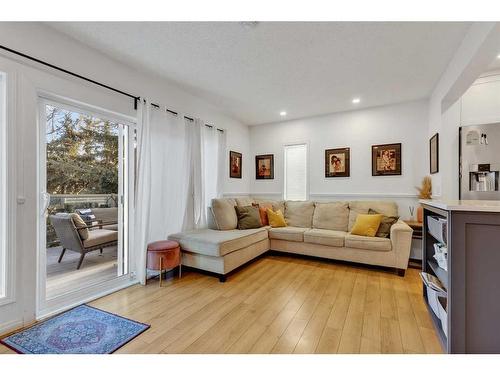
[(401, 235)]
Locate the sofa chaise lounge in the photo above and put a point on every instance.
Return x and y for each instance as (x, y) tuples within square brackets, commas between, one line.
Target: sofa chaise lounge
[(320, 229)]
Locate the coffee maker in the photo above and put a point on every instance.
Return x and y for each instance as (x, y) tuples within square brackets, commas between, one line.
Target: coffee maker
[(480, 162)]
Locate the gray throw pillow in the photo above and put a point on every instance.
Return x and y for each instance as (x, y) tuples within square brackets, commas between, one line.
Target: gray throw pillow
[(384, 230), (248, 217)]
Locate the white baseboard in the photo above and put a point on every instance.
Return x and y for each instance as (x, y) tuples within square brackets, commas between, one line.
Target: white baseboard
[(11, 326)]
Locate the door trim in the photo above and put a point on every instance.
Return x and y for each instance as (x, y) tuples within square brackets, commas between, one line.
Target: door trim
[(46, 307)]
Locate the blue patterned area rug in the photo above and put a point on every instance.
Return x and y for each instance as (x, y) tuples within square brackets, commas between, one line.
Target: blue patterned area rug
[(82, 330)]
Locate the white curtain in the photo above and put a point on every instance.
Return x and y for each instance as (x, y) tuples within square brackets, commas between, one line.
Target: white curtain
[(211, 171), (162, 193), (181, 168)]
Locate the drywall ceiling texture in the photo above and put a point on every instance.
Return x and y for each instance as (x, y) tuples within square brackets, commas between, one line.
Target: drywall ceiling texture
[(305, 68)]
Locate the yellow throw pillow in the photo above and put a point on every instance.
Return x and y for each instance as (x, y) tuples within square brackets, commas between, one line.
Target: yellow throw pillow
[(276, 218), (366, 225)]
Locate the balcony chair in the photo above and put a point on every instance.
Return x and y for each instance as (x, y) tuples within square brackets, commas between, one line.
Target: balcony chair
[(75, 235)]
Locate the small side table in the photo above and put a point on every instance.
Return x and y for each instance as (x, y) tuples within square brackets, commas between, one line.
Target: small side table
[(163, 255), (417, 235), (417, 228)]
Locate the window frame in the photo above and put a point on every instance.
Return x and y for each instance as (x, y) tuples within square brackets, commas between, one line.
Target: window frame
[(291, 144), (7, 190)]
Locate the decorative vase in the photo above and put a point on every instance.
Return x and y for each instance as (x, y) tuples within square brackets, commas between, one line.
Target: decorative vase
[(420, 214)]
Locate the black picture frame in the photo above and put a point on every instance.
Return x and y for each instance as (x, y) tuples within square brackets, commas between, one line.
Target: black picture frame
[(235, 159), (346, 151), (434, 154), (259, 160), (376, 159)]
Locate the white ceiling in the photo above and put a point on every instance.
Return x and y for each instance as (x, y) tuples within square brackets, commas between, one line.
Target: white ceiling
[(304, 68), (495, 64)]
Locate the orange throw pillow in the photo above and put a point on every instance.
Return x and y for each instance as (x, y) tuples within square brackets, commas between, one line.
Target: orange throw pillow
[(263, 212)]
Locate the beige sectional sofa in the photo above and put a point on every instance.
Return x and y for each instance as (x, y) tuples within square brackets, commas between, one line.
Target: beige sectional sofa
[(320, 229)]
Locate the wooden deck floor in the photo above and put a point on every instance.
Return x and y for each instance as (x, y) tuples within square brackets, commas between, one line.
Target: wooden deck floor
[(64, 277), (280, 304)]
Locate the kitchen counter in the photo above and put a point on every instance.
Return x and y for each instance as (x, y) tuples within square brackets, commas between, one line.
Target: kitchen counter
[(463, 205)]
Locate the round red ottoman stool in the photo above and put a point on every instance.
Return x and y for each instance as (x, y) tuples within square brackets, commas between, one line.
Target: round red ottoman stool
[(163, 255)]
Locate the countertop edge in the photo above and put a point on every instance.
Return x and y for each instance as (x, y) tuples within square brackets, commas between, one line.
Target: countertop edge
[(465, 205)]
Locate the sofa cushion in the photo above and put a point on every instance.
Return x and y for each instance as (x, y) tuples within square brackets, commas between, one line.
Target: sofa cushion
[(325, 237), (331, 215), (276, 205), (218, 243), (100, 236), (367, 243), (248, 217), (299, 213), (386, 208), (244, 201), (287, 233), (105, 214), (224, 213)]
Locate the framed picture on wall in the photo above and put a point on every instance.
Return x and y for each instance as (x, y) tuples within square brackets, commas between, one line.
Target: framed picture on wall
[(235, 164), (264, 167), (337, 162), (386, 160), (434, 153)]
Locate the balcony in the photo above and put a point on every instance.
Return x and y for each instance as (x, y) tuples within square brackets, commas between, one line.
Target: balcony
[(97, 267)]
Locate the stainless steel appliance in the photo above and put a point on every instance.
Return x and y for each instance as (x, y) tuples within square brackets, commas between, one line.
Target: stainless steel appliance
[(480, 161)]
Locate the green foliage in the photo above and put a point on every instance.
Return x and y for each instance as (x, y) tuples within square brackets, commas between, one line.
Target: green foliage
[(82, 153)]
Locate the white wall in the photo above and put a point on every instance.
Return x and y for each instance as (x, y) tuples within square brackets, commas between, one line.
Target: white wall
[(405, 123)]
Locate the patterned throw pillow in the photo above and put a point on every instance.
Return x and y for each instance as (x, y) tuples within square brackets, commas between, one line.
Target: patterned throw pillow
[(384, 230), (248, 217)]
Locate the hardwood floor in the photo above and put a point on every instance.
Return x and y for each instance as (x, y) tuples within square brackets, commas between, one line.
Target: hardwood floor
[(281, 304)]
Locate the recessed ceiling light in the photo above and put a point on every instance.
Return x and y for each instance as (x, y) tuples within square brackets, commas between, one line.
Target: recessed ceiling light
[(283, 113), (498, 57), (356, 100)]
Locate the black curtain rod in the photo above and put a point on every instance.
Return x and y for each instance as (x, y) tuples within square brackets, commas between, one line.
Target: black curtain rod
[(186, 117), (136, 98)]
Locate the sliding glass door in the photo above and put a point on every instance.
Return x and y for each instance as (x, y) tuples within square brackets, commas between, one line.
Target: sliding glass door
[(85, 174)]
